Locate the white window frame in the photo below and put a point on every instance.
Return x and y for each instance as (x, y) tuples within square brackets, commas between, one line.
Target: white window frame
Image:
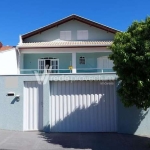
[(44, 70), (109, 62), (82, 35), (65, 35), (41, 65), (82, 58)]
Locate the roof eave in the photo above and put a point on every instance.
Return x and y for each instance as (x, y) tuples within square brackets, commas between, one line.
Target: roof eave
[(70, 46)]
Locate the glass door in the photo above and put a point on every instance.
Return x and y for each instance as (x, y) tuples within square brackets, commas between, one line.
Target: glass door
[(41, 65), (55, 65)]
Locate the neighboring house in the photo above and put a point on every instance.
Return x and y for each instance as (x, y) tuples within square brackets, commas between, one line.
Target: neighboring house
[(8, 60), (80, 92)]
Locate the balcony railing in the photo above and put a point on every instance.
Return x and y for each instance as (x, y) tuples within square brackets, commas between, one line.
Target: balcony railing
[(66, 71)]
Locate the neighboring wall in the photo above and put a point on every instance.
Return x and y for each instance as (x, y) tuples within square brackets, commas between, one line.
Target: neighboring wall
[(95, 34), (8, 62)]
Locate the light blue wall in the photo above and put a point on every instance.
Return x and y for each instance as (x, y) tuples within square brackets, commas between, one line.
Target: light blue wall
[(11, 111), (91, 59), (130, 120), (73, 25), (31, 60)]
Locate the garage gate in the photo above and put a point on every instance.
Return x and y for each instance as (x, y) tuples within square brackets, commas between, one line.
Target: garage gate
[(82, 106)]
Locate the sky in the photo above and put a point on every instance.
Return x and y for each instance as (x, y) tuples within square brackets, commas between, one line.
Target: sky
[(18, 17)]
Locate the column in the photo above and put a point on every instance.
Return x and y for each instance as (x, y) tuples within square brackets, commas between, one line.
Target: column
[(74, 62)]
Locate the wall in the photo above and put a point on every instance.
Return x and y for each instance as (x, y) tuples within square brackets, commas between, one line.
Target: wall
[(90, 60), (95, 34), (31, 60), (8, 62), (11, 111), (132, 120)]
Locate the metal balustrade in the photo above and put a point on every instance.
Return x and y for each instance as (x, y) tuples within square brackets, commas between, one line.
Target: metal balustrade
[(65, 71)]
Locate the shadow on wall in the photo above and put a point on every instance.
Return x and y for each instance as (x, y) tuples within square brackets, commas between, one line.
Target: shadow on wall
[(98, 117), (132, 120), (92, 116), (14, 100)]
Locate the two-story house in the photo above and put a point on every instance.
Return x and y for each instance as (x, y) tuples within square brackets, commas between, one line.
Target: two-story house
[(73, 41), (64, 82)]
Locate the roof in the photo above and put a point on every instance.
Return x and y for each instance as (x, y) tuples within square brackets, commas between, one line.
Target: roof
[(3, 48), (72, 17), (66, 44)]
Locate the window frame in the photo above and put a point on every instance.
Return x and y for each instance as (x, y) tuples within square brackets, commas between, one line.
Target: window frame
[(64, 36), (80, 35), (81, 60), (44, 63)]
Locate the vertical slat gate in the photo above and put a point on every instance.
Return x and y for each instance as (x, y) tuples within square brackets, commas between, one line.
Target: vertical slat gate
[(82, 106), (33, 106)]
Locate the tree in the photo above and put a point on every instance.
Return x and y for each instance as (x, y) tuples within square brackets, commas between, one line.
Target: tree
[(131, 56)]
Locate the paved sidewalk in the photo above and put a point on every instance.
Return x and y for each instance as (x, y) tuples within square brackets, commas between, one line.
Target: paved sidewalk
[(12, 140)]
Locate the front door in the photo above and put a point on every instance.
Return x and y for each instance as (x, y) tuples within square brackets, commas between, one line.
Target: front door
[(33, 106), (48, 65)]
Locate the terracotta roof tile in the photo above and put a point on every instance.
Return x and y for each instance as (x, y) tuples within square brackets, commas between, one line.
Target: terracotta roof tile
[(3, 48)]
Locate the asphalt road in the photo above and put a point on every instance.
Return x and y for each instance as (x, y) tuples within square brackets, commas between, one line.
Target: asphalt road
[(11, 140)]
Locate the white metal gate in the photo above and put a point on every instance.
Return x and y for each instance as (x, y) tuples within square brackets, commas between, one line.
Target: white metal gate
[(82, 106), (33, 106)]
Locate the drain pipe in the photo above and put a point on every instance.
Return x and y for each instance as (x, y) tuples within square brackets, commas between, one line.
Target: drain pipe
[(17, 48), (18, 59)]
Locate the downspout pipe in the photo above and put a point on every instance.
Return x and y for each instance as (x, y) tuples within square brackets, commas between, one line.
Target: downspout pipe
[(17, 48)]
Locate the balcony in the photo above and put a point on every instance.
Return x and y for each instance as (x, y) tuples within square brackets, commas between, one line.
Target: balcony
[(66, 71)]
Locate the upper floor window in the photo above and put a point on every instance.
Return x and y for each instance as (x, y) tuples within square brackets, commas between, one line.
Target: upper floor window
[(82, 35), (82, 60), (65, 35)]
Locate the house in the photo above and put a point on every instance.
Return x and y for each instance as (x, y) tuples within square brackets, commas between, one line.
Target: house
[(7, 55), (65, 82)]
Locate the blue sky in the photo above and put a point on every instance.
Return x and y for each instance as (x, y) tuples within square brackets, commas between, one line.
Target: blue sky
[(18, 17)]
